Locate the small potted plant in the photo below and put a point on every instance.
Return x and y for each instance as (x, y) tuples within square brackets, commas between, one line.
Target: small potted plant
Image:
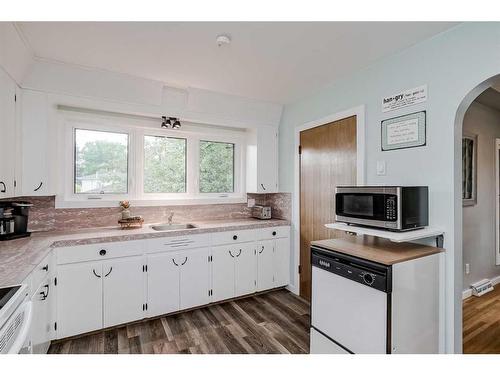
[(125, 205)]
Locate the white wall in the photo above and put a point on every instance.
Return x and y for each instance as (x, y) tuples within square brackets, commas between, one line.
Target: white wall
[(451, 64), (479, 220), (15, 58)]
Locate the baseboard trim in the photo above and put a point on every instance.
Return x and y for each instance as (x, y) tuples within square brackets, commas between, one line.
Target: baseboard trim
[(468, 292)]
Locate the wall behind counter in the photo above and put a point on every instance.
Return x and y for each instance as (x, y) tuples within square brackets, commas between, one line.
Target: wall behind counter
[(45, 217)]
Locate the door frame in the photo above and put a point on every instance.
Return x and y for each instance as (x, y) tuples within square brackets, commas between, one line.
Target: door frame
[(359, 112)]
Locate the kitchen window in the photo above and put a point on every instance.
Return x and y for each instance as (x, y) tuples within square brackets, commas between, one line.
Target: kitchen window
[(216, 167), (164, 164), (101, 162), (111, 158)]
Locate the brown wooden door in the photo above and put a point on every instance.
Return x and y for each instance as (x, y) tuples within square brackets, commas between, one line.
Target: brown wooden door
[(327, 159)]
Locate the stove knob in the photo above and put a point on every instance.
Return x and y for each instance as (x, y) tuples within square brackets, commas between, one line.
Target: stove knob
[(368, 278)]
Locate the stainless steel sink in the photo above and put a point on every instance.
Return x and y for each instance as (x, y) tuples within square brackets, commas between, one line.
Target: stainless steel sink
[(164, 227)]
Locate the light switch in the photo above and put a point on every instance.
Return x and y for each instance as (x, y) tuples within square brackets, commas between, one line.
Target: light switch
[(381, 167)]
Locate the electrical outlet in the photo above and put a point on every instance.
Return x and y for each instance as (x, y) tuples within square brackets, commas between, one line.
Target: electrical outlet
[(250, 202), (467, 268)]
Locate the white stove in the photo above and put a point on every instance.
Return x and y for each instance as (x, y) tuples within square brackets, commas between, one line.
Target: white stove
[(15, 320)]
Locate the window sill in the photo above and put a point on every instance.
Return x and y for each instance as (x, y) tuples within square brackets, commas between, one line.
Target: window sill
[(61, 203)]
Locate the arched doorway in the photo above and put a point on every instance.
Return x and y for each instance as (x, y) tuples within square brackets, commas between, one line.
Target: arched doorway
[(474, 320)]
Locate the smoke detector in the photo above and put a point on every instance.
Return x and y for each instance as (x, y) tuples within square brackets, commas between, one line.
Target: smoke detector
[(223, 39)]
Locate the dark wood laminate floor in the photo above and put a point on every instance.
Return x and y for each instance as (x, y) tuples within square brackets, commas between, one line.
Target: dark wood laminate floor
[(274, 322), (481, 324)]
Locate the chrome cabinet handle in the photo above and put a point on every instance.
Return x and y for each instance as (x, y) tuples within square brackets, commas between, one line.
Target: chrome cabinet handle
[(239, 253), (4, 188), (260, 252), (263, 188), (46, 268), (96, 275), (174, 262), (185, 261), (230, 253), (39, 187), (111, 269)]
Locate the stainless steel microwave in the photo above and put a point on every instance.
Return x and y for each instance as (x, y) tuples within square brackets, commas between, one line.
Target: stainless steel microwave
[(397, 208)]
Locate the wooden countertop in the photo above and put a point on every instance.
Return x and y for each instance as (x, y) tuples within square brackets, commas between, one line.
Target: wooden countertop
[(377, 250)]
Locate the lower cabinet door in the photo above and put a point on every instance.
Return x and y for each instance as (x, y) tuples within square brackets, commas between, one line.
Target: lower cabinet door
[(265, 265), (245, 269), (194, 277), (123, 281), (42, 321), (79, 298), (163, 284), (223, 272), (282, 262)]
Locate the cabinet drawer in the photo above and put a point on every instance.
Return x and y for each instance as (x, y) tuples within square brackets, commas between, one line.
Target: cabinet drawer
[(222, 238), (42, 271), (159, 245), (84, 253), (273, 232)]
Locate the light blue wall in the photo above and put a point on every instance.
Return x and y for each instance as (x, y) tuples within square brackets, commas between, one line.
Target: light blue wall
[(451, 64)]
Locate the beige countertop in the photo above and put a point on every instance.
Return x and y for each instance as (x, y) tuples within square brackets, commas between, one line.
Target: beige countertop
[(377, 250), (19, 257)]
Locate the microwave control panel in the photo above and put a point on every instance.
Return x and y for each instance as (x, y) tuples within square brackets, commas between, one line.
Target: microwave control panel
[(391, 208)]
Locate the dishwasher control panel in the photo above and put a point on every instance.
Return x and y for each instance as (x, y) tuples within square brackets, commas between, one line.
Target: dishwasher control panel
[(364, 272)]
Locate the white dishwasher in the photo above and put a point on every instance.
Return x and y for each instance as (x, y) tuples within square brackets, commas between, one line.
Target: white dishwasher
[(350, 304)]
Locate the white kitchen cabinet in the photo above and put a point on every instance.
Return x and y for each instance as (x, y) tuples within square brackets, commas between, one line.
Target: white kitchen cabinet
[(41, 323), (265, 265), (34, 129), (163, 284), (245, 269), (282, 261), (262, 160), (223, 273), (234, 270), (194, 277), (123, 290), (7, 135), (79, 298)]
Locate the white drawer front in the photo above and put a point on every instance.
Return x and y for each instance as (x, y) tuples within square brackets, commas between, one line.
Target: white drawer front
[(159, 245), (42, 271), (223, 238), (273, 232), (84, 253)]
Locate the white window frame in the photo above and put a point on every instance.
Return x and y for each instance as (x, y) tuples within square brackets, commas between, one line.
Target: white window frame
[(136, 130)]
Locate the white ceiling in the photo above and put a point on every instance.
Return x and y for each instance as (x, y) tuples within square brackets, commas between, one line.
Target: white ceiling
[(279, 62)]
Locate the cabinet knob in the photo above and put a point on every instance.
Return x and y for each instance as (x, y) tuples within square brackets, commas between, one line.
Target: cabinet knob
[(102, 252), (235, 237), (46, 268), (274, 233)]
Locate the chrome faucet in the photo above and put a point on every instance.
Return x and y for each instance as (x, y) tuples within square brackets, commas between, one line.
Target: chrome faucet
[(170, 218)]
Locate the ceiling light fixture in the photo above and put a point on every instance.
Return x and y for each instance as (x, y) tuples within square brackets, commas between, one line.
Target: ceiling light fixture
[(170, 122)]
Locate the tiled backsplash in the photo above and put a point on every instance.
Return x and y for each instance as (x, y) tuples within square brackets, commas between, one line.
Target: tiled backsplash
[(44, 216)]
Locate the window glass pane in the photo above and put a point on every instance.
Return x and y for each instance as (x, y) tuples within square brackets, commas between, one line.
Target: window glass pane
[(216, 167), (101, 162), (164, 165)]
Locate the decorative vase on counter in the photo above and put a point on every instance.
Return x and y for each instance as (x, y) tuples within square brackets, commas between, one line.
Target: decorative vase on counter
[(125, 212)]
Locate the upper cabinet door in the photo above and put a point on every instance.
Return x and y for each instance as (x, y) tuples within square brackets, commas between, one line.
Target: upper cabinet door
[(7, 135), (223, 259), (265, 265), (124, 300), (79, 298), (163, 284), (282, 261), (246, 268), (262, 160), (194, 277), (34, 143)]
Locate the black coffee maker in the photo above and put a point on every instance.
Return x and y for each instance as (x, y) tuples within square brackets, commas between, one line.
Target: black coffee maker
[(14, 220)]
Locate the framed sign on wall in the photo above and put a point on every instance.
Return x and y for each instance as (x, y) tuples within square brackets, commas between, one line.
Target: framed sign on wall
[(404, 131)]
